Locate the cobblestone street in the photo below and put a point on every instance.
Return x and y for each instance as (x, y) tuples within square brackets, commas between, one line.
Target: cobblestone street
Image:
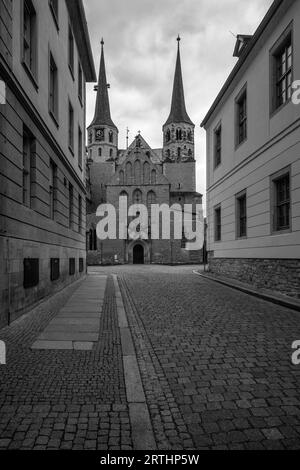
[(215, 366)]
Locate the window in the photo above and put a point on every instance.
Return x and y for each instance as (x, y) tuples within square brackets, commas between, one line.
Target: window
[(71, 266), (179, 152), (190, 136), (153, 177), (100, 152), (90, 137), (71, 205), (53, 88), (71, 127), (146, 173), (241, 110), (281, 200), (217, 146), (151, 199), (282, 59), (137, 172), (241, 214), (54, 269), (30, 272), (28, 167), (79, 213), (218, 227), (128, 173), (137, 197), (71, 51), (168, 135), (111, 137), (92, 245), (121, 177), (80, 82), (80, 148), (29, 37), (53, 189), (178, 134), (81, 265), (111, 153), (54, 10)]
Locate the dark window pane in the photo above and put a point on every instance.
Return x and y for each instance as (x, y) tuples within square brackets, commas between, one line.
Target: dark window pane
[(31, 272)]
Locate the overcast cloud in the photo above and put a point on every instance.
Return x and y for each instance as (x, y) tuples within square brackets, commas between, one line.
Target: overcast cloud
[(140, 52)]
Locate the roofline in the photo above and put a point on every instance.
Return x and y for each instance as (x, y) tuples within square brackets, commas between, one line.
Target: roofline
[(80, 28), (250, 46)]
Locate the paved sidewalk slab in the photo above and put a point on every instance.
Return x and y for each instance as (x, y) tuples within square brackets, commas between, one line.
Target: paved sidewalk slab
[(77, 324)]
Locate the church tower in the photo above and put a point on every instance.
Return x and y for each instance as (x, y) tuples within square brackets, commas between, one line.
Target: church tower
[(102, 132), (178, 129)]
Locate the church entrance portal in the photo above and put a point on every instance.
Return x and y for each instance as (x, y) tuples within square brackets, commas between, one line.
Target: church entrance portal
[(138, 254)]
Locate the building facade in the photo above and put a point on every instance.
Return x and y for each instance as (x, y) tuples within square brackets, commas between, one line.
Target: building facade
[(253, 159), (45, 62), (143, 176)]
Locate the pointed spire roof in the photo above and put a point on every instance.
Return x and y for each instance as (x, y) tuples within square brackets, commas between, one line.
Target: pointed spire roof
[(178, 111), (102, 111)]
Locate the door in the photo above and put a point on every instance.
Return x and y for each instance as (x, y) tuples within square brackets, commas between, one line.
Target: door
[(138, 254)]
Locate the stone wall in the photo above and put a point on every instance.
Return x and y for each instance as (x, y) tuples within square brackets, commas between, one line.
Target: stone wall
[(280, 275)]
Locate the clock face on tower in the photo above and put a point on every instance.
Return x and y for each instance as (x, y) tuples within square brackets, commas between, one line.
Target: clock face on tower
[(100, 134)]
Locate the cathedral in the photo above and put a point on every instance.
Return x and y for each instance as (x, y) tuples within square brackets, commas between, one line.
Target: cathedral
[(143, 175)]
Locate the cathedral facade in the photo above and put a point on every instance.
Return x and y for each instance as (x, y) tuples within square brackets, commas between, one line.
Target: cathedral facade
[(142, 175)]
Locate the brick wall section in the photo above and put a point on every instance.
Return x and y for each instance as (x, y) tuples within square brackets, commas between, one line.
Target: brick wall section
[(281, 275)]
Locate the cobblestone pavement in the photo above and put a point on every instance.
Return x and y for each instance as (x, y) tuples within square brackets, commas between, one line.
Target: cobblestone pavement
[(63, 399), (215, 365)]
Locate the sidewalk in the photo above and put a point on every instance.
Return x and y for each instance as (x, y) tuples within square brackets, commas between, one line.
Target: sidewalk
[(77, 324)]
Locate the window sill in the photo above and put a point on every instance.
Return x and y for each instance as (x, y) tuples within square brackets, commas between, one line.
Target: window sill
[(30, 75), (281, 232), (239, 144), (277, 110)]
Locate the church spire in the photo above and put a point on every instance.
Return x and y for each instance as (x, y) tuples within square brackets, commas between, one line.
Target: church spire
[(102, 111), (178, 110)]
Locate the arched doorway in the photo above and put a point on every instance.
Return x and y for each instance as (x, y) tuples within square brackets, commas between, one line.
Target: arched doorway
[(138, 254)]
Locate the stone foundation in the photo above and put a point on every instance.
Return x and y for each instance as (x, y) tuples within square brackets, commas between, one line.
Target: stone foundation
[(280, 275)]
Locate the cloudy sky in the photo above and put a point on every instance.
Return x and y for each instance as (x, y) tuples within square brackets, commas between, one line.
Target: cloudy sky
[(140, 52)]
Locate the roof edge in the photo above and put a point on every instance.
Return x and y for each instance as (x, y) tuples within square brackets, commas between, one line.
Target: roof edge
[(250, 46), (80, 28)]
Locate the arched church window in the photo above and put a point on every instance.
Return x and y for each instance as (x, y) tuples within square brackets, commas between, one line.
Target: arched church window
[(189, 136), (137, 196), (146, 173), (190, 153), (151, 199), (153, 177), (168, 153), (178, 134), (179, 152), (137, 172), (111, 137), (124, 195), (100, 152), (128, 173), (121, 177), (111, 152), (168, 135)]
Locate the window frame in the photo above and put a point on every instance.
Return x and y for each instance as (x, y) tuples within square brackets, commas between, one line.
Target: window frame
[(277, 48), (54, 113), (242, 96), (80, 83), (71, 127), (80, 148), (55, 12), (71, 50), (274, 178), (238, 197), (31, 68), (52, 190), (217, 208), (217, 132)]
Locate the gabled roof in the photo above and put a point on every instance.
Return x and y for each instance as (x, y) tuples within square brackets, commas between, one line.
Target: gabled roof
[(102, 115), (178, 110), (154, 155)]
